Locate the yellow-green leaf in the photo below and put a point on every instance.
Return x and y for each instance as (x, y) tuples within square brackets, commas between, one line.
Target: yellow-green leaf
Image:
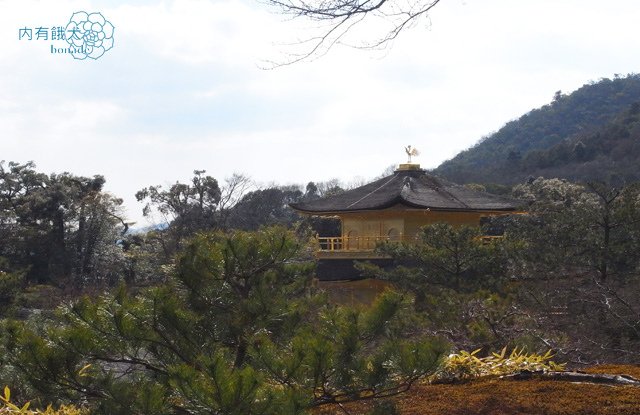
[(81, 371)]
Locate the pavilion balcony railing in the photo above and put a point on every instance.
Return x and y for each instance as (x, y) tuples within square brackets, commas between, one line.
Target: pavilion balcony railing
[(354, 243), (369, 243)]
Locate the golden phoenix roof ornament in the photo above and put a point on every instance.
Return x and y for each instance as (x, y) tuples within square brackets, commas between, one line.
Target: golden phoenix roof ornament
[(411, 152)]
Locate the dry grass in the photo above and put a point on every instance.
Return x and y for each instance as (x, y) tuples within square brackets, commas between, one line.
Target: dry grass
[(532, 397)]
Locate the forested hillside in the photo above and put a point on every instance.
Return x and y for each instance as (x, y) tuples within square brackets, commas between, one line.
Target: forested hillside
[(609, 153), (588, 134)]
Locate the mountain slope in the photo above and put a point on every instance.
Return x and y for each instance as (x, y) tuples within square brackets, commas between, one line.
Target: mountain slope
[(609, 153), (499, 157)]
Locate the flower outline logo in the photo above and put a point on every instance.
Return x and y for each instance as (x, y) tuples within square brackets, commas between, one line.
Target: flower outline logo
[(89, 35)]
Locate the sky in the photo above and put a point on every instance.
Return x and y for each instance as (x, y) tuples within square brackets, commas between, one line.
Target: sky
[(187, 85)]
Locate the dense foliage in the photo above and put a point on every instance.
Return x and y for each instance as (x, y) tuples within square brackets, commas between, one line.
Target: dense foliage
[(460, 285), (238, 330), (203, 205), (564, 276), (58, 229), (578, 258), (609, 153)]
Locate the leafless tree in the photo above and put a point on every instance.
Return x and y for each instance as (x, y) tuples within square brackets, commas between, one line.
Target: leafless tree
[(234, 188), (336, 18)]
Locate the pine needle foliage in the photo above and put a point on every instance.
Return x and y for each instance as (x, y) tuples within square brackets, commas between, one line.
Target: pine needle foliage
[(237, 331)]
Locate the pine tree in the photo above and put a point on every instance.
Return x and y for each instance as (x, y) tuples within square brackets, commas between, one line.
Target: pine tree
[(239, 330)]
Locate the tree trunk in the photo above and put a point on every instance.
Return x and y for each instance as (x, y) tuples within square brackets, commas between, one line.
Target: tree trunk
[(241, 353), (599, 378)]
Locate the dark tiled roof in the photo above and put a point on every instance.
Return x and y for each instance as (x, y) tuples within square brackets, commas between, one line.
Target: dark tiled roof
[(411, 188)]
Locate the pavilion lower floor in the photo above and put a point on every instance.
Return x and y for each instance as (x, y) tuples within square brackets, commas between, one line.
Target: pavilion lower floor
[(354, 293), (344, 269)]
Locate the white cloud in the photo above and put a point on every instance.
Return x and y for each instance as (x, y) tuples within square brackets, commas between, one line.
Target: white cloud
[(197, 31), (183, 89)]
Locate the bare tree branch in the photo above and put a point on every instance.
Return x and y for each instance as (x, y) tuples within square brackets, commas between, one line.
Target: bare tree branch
[(341, 16)]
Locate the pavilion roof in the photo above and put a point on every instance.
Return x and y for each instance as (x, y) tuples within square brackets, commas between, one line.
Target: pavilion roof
[(413, 189)]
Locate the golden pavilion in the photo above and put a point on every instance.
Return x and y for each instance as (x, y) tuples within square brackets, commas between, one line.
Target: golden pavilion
[(394, 208)]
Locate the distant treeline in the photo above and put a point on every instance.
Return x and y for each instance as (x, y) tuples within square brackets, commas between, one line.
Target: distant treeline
[(65, 230)]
